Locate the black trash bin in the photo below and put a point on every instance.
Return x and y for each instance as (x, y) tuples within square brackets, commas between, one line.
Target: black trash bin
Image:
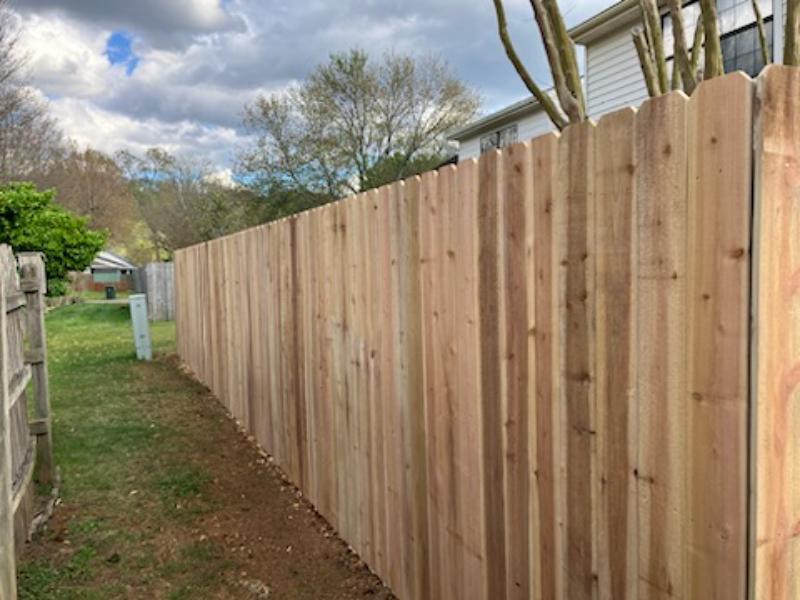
[(111, 292)]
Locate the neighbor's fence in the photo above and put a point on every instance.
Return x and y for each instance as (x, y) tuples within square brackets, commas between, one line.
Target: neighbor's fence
[(533, 376), (24, 443), (157, 280)]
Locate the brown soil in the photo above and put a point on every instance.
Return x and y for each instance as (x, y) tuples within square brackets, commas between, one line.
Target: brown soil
[(264, 539)]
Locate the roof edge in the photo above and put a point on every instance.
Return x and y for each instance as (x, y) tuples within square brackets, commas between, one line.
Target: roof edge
[(509, 113), (614, 17)]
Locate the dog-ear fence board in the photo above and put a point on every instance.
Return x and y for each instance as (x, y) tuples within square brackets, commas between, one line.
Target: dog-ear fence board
[(566, 370)]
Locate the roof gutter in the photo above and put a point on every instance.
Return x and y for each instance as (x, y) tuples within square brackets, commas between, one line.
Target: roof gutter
[(494, 120), (614, 17)]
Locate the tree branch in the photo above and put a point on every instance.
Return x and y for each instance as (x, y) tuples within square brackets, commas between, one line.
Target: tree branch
[(714, 66), (544, 100), (762, 33), (646, 62), (682, 63), (791, 44), (568, 102), (697, 46), (652, 21), (566, 50)]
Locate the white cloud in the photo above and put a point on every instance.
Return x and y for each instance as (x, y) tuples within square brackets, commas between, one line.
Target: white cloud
[(201, 61), (65, 57), (110, 132), (223, 177)]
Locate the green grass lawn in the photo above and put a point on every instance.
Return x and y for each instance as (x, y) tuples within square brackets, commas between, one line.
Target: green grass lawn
[(162, 496), (123, 483), (94, 295)]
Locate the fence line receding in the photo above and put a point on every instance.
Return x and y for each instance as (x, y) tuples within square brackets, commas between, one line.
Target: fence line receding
[(530, 376)]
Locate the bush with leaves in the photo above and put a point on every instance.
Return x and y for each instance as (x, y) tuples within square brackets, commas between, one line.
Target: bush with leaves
[(30, 221)]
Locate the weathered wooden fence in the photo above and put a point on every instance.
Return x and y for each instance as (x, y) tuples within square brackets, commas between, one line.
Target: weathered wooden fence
[(534, 376), (24, 443), (157, 280)]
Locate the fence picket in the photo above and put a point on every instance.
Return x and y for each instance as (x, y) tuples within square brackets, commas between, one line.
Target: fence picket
[(775, 544), (615, 479), (527, 375), (661, 263), (720, 154)]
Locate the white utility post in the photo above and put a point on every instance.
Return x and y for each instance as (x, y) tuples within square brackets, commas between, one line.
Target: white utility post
[(141, 327)]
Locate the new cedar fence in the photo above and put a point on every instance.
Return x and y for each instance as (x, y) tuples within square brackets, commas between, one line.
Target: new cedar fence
[(25, 444), (534, 375)]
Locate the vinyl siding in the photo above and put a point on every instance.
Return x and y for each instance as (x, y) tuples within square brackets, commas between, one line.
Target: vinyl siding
[(613, 77), (528, 128), (469, 148), (535, 125)]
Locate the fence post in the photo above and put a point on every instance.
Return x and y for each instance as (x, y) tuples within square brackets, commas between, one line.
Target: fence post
[(8, 570), (34, 284)]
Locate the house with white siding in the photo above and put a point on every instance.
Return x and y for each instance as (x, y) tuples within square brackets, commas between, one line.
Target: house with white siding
[(612, 75)]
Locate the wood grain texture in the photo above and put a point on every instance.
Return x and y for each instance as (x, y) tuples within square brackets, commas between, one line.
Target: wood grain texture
[(574, 204), (776, 534), (547, 541), (717, 340), (661, 263), (490, 294), (527, 376), (615, 163), (514, 364)]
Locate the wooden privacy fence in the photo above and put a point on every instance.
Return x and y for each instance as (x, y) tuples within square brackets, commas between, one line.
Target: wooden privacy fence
[(157, 280), (24, 443), (533, 376)]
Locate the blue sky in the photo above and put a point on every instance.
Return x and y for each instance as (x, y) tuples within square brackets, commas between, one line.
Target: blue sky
[(177, 73), (119, 50)]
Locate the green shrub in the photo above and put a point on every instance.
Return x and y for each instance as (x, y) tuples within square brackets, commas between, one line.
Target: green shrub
[(31, 222)]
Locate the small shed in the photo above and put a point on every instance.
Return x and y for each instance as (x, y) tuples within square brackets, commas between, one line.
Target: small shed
[(110, 268)]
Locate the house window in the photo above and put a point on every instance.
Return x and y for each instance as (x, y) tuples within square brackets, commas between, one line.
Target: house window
[(741, 50), (500, 138)]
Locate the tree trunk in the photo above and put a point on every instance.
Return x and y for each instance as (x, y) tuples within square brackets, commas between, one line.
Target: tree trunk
[(566, 50), (544, 99), (646, 62), (569, 104), (652, 22), (682, 62), (791, 47), (762, 34), (697, 47), (714, 66)]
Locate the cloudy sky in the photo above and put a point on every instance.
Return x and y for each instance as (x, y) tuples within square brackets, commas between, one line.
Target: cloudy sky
[(176, 73)]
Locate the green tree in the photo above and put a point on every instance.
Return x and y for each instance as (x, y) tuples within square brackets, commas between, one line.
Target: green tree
[(30, 221), (397, 167)]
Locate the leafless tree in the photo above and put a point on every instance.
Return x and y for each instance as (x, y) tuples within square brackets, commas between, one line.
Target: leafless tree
[(29, 137), (180, 201), (568, 106), (325, 135), (91, 184)]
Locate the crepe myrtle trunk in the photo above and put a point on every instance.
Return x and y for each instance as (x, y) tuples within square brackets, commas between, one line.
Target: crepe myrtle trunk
[(545, 101), (791, 43), (649, 43)]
